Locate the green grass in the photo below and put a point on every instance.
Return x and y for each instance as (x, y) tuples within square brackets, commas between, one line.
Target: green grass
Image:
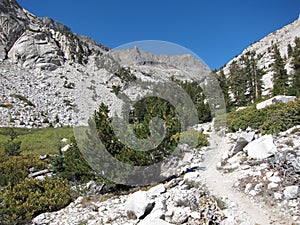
[(38, 140)]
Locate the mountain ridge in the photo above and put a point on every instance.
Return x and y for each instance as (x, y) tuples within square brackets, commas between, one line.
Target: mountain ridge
[(282, 37), (43, 62)]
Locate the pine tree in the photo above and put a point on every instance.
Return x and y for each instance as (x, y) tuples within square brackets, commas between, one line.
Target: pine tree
[(253, 75), (280, 77), (295, 86), (12, 147), (290, 50), (237, 84)]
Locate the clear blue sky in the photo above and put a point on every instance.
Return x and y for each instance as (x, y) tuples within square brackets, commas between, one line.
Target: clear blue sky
[(216, 30)]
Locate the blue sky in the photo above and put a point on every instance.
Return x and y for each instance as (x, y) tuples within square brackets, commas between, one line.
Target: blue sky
[(216, 30)]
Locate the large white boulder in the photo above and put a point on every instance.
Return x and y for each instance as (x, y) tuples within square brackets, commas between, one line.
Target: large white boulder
[(276, 99), (261, 148), (138, 205)]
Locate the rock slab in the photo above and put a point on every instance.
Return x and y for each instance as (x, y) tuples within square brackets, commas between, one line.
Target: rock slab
[(261, 148)]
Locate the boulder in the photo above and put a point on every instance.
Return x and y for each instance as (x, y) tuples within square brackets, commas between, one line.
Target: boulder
[(242, 141), (156, 190), (138, 205), (158, 211), (291, 192), (274, 100), (261, 148)]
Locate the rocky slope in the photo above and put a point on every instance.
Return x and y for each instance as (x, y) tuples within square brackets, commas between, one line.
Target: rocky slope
[(48, 74), (282, 37), (217, 185)]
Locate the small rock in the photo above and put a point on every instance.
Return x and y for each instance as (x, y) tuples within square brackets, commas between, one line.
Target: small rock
[(245, 167), (242, 141), (293, 203), (248, 129), (40, 178), (272, 185), (254, 173), (233, 166), (43, 157), (156, 191), (291, 192), (240, 144), (39, 173), (277, 196), (191, 177), (253, 193), (195, 215), (180, 217), (219, 165), (172, 183), (188, 157), (66, 148), (274, 179), (258, 187), (269, 174), (248, 187), (32, 170)]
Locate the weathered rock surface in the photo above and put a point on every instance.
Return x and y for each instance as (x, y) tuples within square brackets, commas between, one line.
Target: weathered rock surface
[(291, 192), (274, 100), (242, 141), (261, 148), (138, 205)]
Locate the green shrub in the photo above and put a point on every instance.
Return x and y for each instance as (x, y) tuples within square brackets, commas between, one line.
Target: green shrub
[(71, 165), (193, 138), (14, 169), (154, 107), (270, 120), (12, 147), (30, 198), (281, 118)]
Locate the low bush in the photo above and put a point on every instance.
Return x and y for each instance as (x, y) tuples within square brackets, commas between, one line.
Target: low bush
[(193, 138), (14, 169), (270, 120), (30, 198)]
